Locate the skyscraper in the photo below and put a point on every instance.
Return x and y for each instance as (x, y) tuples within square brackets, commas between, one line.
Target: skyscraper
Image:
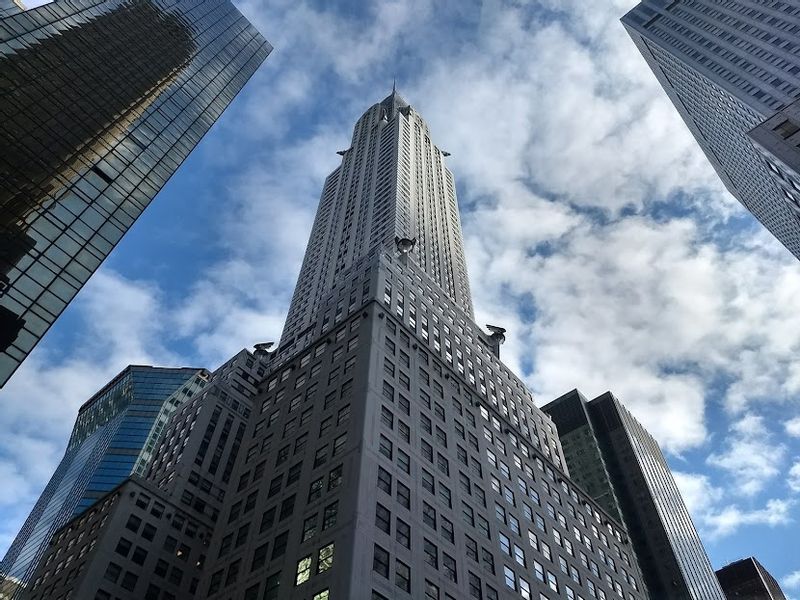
[(728, 67), (403, 458), (148, 537), (618, 462), (748, 579), (102, 101), (113, 436)]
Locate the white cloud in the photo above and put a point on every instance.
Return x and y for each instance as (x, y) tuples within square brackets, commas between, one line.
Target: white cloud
[(717, 517), (728, 519), (792, 580), (699, 494), (751, 457), (792, 427), (793, 478)]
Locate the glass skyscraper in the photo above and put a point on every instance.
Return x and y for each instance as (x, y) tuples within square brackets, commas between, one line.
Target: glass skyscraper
[(114, 433), (728, 66), (100, 102), (390, 453), (618, 462)]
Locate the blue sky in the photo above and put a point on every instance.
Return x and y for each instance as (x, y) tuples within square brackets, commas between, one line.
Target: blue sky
[(596, 232)]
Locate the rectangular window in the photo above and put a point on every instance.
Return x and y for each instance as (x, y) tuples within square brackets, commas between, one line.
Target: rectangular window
[(380, 561), (383, 519)]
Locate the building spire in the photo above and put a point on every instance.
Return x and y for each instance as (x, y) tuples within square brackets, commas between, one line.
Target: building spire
[(394, 85)]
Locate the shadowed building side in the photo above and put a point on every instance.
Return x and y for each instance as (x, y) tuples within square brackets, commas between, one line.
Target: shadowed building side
[(747, 579)]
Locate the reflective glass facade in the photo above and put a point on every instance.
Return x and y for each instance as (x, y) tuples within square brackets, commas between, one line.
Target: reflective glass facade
[(728, 65), (100, 102), (633, 478), (109, 437)]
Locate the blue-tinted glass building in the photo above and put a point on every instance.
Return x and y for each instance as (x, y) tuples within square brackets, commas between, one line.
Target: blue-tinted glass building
[(100, 103), (729, 66), (114, 431)]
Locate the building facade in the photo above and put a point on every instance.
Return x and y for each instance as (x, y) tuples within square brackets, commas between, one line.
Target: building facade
[(612, 456), (106, 99), (728, 66), (400, 457), (747, 578), (148, 538), (110, 438)]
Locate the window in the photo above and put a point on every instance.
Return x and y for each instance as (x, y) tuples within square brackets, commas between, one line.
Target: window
[(123, 547), (431, 553), (431, 591), (428, 482), (321, 456), (334, 478), (279, 545), (287, 508), (383, 519), (403, 495), (387, 418), (133, 523), (402, 576), (259, 557), (403, 533), (325, 558), (338, 444), (271, 588), (315, 490), (139, 555), (129, 581), (380, 562), (309, 528), (510, 577), (384, 480), (303, 570), (429, 515), (113, 571), (449, 567), (447, 530), (403, 461), (329, 516), (385, 447), (267, 519)]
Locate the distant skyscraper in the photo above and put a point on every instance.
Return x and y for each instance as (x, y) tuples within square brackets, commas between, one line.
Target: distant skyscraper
[(148, 538), (727, 67), (612, 456), (102, 101), (403, 459), (747, 579), (115, 430)]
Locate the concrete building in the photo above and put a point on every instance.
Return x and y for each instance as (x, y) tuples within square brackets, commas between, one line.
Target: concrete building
[(148, 537), (729, 67), (113, 433), (747, 579), (618, 462), (400, 457), (107, 98)]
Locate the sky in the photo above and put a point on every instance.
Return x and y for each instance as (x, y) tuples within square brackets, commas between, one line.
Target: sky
[(596, 232)]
